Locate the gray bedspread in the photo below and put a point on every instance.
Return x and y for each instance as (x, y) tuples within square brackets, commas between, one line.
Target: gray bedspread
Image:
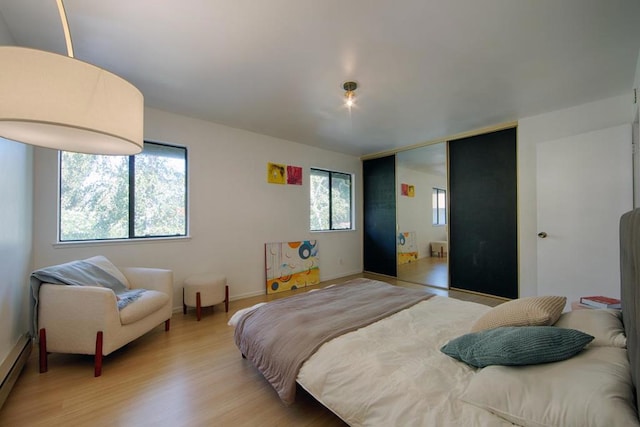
[(281, 335)]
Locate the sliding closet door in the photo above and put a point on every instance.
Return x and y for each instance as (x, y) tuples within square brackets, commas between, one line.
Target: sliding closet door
[(483, 247), (379, 182)]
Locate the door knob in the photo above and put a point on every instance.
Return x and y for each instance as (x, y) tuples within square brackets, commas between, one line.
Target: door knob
[(542, 234)]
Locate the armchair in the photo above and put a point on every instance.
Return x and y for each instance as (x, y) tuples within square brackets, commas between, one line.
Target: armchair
[(86, 319)]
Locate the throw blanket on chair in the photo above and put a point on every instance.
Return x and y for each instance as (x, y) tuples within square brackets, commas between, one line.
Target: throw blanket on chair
[(79, 273)]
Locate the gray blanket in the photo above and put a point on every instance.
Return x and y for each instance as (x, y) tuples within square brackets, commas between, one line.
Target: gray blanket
[(281, 335), (79, 273)]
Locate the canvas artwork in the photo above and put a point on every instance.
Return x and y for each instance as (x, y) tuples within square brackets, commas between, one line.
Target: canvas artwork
[(276, 173), (407, 190), (407, 248), (294, 175), (291, 265)]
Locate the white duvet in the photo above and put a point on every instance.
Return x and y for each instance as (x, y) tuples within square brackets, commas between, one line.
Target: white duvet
[(392, 372)]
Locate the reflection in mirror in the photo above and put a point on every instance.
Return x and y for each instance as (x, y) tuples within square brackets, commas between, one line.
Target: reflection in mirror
[(421, 175)]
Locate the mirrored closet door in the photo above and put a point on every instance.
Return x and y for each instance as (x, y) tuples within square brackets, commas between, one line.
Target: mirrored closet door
[(421, 232)]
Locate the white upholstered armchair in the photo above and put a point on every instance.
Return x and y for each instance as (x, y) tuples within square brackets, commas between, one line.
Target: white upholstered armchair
[(86, 319)]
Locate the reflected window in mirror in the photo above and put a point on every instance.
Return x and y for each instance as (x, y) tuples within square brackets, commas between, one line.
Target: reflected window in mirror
[(439, 204)]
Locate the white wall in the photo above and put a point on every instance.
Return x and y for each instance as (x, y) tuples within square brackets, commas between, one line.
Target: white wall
[(547, 127), (636, 85), (233, 210), (16, 193), (415, 213), (635, 118)]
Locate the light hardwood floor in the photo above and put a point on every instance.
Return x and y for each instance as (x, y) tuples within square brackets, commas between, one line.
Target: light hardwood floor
[(431, 271), (192, 375)]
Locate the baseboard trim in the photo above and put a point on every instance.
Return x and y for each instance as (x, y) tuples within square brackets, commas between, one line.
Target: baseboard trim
[(263, 291), (12, 366)]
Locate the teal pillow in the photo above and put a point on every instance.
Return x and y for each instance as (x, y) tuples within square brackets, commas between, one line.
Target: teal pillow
[(517, 345)]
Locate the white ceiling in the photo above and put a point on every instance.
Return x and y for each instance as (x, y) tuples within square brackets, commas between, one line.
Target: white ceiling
[(425, 68), (431, 159)]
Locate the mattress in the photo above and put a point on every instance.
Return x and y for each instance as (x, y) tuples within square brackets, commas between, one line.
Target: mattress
[(393, 373)]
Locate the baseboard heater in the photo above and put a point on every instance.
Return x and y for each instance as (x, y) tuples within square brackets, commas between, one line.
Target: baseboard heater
[(12, 366)]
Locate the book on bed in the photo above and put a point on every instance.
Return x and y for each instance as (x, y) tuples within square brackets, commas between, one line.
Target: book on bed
[(598, 301)]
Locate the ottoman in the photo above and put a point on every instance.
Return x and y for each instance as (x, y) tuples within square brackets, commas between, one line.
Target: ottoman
[(204, 290)]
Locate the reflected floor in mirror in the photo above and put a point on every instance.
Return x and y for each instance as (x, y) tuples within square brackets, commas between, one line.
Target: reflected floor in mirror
[(432, 271)]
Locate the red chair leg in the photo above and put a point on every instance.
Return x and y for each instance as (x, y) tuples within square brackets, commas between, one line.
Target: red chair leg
[(167, 324), (98, 358), (198, 306), (43, 351), (226, 298)]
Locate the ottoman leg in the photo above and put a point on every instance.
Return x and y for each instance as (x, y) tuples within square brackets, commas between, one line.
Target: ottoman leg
[(226, 298), (198, 306), (184, 306)]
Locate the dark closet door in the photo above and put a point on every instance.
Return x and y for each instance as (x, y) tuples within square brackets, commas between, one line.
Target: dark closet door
[(379, 182), (483, 246)]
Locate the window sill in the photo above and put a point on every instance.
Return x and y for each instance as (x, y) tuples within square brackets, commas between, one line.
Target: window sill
[(138, 241), (332, 231)]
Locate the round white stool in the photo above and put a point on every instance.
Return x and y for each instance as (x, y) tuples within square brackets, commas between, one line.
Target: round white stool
[(204, 290)]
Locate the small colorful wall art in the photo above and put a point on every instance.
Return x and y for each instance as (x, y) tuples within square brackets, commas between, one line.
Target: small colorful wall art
[(276, 173), (284, 174), (294, 175), (291, 265), (407, 248), (407, 190)]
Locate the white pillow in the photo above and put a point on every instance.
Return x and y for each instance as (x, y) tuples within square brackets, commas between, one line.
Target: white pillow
[(103, 263), (593, 388), (604, 325)]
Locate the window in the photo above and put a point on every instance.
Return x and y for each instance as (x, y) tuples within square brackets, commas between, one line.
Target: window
[(330, 200), (439, 203), (123, 197)]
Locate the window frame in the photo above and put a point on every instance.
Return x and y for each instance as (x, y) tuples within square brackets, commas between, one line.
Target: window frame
[(131, 208), (436, 192), (351, 197)]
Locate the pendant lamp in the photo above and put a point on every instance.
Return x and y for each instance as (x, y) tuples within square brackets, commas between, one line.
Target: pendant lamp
[(56, 101)]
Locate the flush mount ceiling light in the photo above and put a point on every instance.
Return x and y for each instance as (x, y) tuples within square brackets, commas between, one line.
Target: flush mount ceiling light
[(59, 102), (350, 94)]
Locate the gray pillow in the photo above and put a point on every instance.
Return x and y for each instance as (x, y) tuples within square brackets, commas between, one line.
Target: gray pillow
[(517, 345)]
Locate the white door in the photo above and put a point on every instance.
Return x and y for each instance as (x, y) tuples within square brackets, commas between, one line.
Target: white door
[(584, 185)]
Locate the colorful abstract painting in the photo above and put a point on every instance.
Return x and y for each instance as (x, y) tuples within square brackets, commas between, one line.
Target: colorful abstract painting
[(291, 265), (276, 173), (294, 175), (407, 248), (407, 190)]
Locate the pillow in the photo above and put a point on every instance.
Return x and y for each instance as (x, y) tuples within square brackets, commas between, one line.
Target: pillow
[(529, 311), (106, 265), (521, 345), (605, 325), (593, 388)]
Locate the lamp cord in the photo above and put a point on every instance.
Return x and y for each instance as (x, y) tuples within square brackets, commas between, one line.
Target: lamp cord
[(65, 28)]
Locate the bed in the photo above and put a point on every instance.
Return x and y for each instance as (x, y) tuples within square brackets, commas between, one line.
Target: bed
[(433, 361)]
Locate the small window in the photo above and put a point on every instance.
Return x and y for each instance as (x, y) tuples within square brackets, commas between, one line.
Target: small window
[(123, 197), (439, 203), (330, 200)]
